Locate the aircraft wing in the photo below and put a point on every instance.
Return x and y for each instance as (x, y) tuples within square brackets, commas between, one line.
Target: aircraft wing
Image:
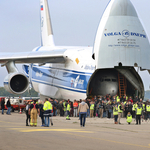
[(53, 56)]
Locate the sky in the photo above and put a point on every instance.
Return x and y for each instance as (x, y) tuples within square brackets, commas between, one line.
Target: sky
[(74, 23)]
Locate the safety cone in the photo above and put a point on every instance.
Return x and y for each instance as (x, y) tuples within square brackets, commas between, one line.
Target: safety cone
[(20, 111)]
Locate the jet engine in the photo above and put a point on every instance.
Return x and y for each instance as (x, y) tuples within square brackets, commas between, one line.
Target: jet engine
[(16, 83)]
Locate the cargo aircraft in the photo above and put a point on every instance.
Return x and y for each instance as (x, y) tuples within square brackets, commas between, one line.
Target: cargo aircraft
[(62, 72)]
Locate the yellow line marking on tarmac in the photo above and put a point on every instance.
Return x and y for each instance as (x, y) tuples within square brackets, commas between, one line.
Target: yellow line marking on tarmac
[(67, 131), (55, 130), (136, 145), (28, 129)]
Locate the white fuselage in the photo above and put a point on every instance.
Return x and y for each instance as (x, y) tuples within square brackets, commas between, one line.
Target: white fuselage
[(68, 80), (64, 72)]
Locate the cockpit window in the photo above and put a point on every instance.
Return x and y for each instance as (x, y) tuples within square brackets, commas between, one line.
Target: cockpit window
[(107, 79), (114, 80), (101, 79)]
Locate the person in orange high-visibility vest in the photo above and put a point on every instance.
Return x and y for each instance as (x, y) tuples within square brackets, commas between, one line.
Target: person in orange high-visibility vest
[(75, 108)]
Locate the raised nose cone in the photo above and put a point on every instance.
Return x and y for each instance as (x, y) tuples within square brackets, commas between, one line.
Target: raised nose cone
[(121, 38), (122, 8)]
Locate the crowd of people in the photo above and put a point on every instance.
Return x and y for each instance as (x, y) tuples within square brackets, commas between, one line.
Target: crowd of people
[(98, 106), (45, 112), (108, 106)]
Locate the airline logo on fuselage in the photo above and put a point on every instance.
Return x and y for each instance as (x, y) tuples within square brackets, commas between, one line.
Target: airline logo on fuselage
[(76, 81), (39, 74), (125, 33)]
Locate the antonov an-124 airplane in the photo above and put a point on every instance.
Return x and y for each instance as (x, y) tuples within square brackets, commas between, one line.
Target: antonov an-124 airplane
[(61, 72)]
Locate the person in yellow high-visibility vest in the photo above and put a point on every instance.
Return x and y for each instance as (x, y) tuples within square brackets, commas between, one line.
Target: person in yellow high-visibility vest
[(125, 97), (148, 111), (138, 114), (134, 109), (115, 113), (144, 111), (129, 118), (64, 105), (120, 110), (47, 111), (68, 110), (118, 99), (91, 109)]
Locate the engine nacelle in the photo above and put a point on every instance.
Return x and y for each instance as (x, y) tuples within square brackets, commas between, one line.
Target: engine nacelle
[(16, 83)]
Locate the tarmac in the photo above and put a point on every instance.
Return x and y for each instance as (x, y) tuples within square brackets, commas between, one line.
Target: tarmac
[(99, 133)]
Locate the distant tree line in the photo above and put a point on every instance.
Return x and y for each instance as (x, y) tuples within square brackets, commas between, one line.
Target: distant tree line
[(32, 93)]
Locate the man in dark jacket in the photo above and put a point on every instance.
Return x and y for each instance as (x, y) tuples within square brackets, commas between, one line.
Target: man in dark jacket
[(54, 103), (96, 102), (8, 107), (3, 105), (129, 108), (88, 111), (109, 110), (136, 99), (101, 109), (61, 108), (27, 113), (41, 113)]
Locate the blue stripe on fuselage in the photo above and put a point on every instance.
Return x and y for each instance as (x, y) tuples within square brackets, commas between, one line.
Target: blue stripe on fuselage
[(5, 83), (59, 86), (62, 78), (79, 72), (38, 48), (26, 69)]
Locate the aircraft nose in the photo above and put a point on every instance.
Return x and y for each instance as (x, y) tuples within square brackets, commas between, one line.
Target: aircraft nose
[(122, 8), (121, 38)]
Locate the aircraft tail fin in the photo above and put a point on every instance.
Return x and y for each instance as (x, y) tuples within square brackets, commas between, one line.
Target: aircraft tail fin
[(46, 26)]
